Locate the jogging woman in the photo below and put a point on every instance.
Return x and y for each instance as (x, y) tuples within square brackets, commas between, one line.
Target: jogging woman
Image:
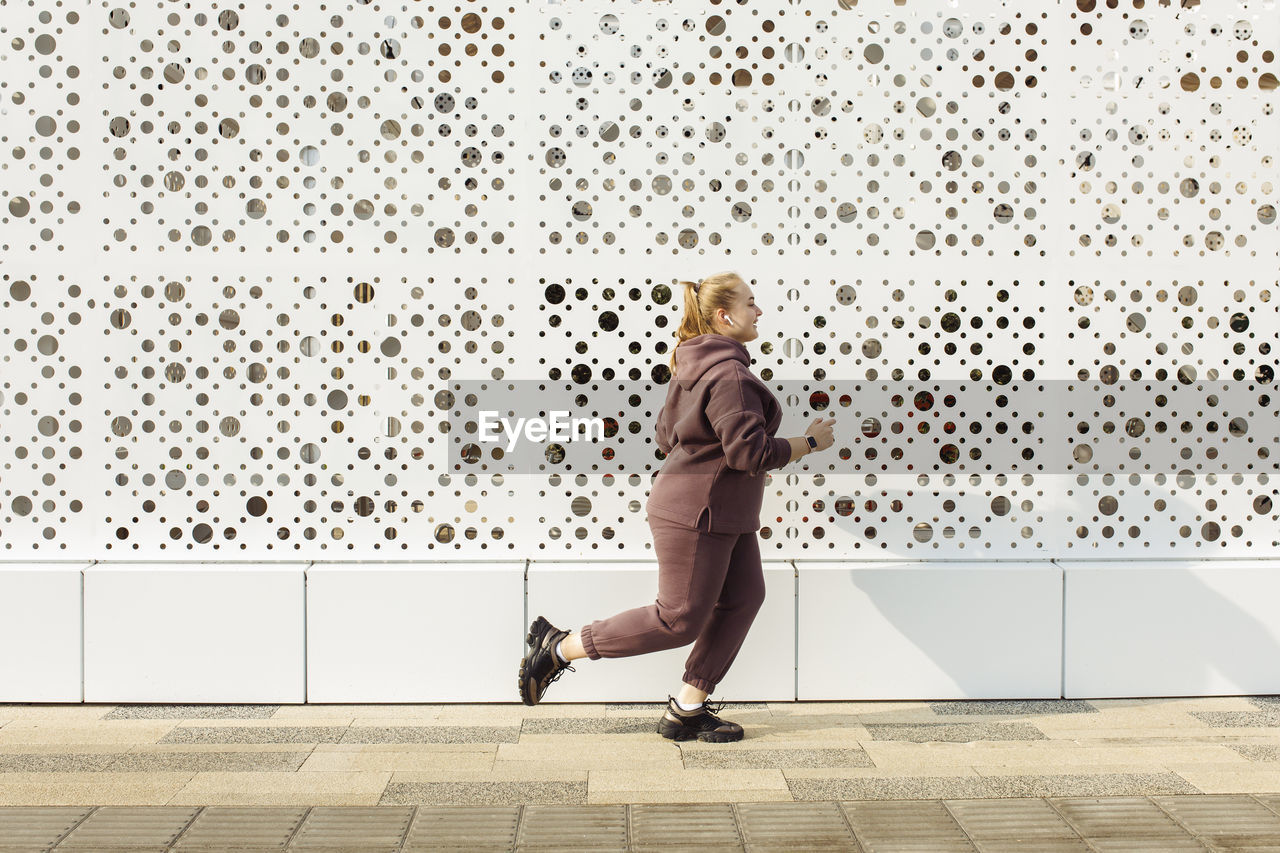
[(717, 430)]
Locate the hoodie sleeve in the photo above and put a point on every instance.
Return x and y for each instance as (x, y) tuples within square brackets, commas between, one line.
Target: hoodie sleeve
[(736, 413)]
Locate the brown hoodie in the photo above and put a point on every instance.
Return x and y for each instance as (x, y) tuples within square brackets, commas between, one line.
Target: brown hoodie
[(717, 428)]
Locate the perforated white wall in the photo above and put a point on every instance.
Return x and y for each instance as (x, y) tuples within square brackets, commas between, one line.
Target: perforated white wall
[(261, 262)]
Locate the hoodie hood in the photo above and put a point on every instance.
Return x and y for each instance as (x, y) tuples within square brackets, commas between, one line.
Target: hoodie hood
[(696, 355)]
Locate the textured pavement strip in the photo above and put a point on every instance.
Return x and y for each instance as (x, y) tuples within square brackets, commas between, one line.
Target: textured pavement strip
[(990, 776), (1198, 822)]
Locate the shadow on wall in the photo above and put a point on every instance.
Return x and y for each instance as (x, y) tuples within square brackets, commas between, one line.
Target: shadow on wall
[(1160, 628), (1138, 628), (951, 630), (1167, 630)]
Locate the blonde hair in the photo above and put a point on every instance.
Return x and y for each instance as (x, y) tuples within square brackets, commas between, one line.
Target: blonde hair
[(701, 300)]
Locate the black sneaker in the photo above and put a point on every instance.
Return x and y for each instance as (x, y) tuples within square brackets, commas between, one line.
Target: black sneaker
[(700, 724), (541, 666)]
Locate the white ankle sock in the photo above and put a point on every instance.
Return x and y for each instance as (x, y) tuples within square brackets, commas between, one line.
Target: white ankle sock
[(559, 655), (684, 707)]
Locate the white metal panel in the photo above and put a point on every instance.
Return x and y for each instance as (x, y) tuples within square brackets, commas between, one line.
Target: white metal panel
[(40, 632), (172, 632), (1193, 628), (929, 631), (414, 632)]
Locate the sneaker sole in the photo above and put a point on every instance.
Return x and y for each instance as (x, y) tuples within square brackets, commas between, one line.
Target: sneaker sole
[(523, 683), (539, 625), (680, 733)]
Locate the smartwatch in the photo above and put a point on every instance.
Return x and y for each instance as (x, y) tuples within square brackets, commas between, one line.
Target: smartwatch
[(813, 442)]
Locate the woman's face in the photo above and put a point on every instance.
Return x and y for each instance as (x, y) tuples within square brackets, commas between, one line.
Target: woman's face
[(742, 312)]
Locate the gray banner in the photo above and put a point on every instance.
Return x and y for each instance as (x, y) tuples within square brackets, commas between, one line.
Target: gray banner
[(1042, 427)]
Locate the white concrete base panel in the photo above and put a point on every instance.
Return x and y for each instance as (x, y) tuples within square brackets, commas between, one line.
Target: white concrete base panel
[(40, 632), (1208, 628), (971, 630), (194, 633), (377, 632), (386, 632), (572, 595)]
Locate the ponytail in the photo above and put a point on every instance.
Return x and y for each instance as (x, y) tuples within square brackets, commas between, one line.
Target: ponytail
[(701, 300)]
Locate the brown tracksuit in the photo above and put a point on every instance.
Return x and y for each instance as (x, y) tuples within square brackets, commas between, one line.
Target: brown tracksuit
[(717, 428)]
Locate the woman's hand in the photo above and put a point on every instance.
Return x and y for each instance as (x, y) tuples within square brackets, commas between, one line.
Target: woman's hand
[(821, 431)]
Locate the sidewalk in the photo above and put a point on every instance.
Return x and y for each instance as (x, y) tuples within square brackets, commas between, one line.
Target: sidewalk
[(1157, 824), (961, 761)]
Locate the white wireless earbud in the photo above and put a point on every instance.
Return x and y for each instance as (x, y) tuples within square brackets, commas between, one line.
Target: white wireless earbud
[(727, 320)]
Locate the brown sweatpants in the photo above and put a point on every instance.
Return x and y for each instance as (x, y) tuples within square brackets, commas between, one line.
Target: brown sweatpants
[(710, 586)]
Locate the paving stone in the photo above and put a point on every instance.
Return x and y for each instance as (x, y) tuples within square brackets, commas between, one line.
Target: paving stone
[(1175, 823), (1239, 719), (91, 789), (552, 828), (342, 734), (953, 732), (38, 827), (351, 711), (380, 748), (774, 758), (24, 734), (483, 793), (1225, 820), (888, 788), (904, 712), (514, 771), (52, 762), (139, 828), (675, 826), (910, 825), (1087, 785), (63, 748), (1032, 707), (254, 734), (463, 828), (379, 829), (249, 788), (219, 828), (143, 762), (1116, 823), (404, 760), (965, 787), (592, 725), (1052, 756), (1242, 777), (1041, 845), (1257, 751), (801, 731), (1006, 823), (804, 826), (78, 712), (615, 796), (590, 751), (190, 712), (431, 734), (675, 780)]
